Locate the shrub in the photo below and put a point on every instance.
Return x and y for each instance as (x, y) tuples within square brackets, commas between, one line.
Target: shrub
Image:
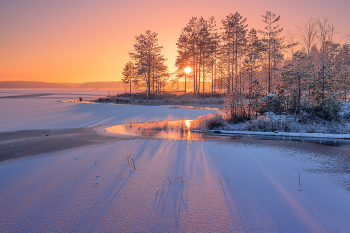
[(210, 122), (270, 104), (329, 110)]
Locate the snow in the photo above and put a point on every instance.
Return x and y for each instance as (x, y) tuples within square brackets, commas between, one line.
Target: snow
[(48, 111), (81, 189), (67, 191), (285, 134)]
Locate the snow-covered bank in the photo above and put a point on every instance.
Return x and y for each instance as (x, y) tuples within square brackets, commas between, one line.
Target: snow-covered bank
[(284, 134)]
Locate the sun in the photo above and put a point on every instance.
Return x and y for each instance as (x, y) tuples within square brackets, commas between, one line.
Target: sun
[(188, 70)]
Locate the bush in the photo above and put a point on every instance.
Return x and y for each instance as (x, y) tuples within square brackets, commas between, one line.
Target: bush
[(210, 122), (330, 111), (270, 104)]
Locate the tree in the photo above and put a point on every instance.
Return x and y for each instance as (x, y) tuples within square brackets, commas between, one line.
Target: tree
[(129, 74), (272, 42), (145, 54), (308, 33), (195, 48), (160, 73), (295, 76), (344, 80), (234, 37), (322, 86), (324, 35)]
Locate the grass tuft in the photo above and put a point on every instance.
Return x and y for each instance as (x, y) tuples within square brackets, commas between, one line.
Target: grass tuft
[(182, 180), (127, 157), (133, 163), (167, 179)]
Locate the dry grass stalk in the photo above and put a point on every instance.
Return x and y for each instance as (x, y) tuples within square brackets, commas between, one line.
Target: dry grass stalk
[(120, 175), (227, 182), (161, 190), (220, 179), (167, 179), (182, 180), (133, 163), (128, 156), (299, 178), (95, 161)]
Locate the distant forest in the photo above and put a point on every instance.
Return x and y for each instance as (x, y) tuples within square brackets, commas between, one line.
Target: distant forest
[(32, 84)]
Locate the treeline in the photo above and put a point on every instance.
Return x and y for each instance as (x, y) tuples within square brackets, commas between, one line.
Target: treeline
[(248, 64), (112, 84), (33, 84)]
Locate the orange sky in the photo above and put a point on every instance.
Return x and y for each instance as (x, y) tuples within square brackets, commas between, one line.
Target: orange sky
[(88, 40)]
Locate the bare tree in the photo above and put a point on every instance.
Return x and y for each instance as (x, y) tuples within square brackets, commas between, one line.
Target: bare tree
[(307, 33)]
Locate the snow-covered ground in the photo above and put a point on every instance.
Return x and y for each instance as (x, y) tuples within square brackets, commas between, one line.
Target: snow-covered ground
[(266, 186), (284, 134)]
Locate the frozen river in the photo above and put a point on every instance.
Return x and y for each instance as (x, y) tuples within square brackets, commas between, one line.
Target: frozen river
[(43, 109), (230, 185)]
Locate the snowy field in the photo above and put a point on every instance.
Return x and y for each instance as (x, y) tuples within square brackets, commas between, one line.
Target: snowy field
[(266, 185)]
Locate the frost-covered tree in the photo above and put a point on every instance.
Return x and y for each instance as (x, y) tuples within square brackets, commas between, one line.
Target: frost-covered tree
[(129, 74), (234, 39), (196, 47), (273, 43), (322, 86), (294, 76), (307, 34), (160, 73), (146, 53), (327, 105)]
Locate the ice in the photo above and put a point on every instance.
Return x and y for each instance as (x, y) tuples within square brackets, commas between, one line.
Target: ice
[(68, 191), (286, 134), (48, 111)]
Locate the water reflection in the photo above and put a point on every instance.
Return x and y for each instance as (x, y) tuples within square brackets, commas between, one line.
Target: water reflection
[(172, 130)]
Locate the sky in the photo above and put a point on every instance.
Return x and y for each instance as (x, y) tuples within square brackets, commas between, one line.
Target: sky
[(88, 40)]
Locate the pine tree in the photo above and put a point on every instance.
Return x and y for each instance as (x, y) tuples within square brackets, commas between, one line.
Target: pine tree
[(294, 76), (129, 74), (145, 54), (272, 42), (322, 86), (234, 37), (327, 105), (256, 94), (195, 47)]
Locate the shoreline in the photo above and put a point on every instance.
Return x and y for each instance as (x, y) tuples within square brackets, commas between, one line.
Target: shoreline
[(28, 144), (285, 134), (31, 143)]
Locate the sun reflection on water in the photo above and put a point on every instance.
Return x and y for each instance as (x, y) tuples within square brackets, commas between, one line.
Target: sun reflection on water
[(172, 130)]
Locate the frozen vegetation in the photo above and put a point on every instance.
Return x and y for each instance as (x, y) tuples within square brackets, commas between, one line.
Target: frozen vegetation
[(200, 101), (285, 122)]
